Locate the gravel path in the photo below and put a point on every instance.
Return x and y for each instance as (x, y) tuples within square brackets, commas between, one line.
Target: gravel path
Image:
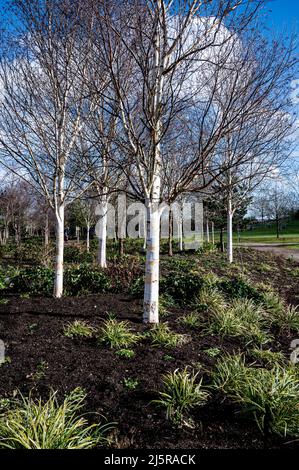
[(275, 248)]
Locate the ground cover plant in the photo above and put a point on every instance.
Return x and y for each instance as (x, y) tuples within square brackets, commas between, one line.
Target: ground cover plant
[(98, 342)]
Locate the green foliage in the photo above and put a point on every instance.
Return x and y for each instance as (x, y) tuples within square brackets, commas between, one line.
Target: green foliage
[(118, 335), (126, 353), (41, 370), (32, 424), (162, 335), (267, 356), (182, 286), (85, 279), (210, 299), (212, 352), (167, 357), (36, 281), (130, 383), (239, 288), (77, 254), (180, 395), (191, 320), (286, 319), (136, 287), (269, 396), (272, 303), (78, 329), (243, 318)]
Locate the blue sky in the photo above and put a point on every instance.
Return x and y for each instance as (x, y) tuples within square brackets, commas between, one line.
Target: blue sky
[(284, 13)]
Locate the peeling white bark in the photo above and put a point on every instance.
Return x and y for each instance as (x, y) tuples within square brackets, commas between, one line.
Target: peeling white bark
[(208, 232), (58, 284), (151, 287), (102, 232), (88, 238), (229, 231)]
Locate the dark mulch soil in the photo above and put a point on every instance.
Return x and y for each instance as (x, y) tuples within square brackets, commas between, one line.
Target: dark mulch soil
[(33, 332)]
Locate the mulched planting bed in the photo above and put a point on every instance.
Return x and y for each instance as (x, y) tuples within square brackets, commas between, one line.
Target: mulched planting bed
[(33, 332)]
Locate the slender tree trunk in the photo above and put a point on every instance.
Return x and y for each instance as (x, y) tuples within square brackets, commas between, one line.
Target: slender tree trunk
[(59, 229), (102, 260), (221, 240), (47, 230), (180, 230), (229, 231), (144, 229), (277, 227), (151, 287), (121, 243), (87, 238), (170, 233), (208, 231), (78, 234), (6, 234), (213, 233)]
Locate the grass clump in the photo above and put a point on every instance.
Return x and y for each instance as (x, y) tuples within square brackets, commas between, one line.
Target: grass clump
[(210, 299), (78, 329), (191, 320), (267, 356), (118, 335), (269, 396), (32, 424), (162, 335), (180, 394), (243, 318), (287, 319)]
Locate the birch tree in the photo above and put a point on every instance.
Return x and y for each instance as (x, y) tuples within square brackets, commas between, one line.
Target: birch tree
[(151, 49), (44, 104)]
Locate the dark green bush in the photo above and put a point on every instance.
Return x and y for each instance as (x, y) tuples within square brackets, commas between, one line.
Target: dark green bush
[(37, 281), (75, 254), (181, 286), (237, 287), (86, 279), (136, 287)]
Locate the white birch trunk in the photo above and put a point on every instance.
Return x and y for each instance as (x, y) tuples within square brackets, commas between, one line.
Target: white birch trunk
[(102, 234), (47, 230), (229, 231), (208, 232), (87, 238), (144, 231), (213, 233), (151, 287), (58, 284), (180, 230)]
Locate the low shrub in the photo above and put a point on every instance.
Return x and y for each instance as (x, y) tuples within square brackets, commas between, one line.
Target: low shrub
[(191, 320), (181, 286), (78, 329), (286, 319), (118, 335), (180, 394), (36, 281), (243, 318), (239, 288), (269, 396), (77, 254), (162, 335), (32, 424), (85, 279), (267, 356)]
